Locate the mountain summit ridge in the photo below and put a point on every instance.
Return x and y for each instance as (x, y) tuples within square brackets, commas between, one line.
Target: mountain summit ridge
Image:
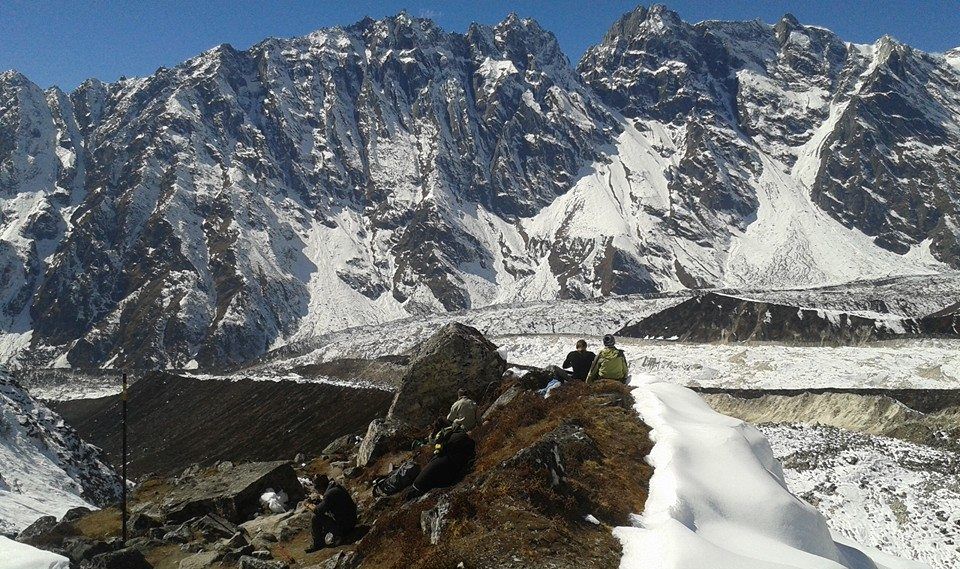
[(244, 198)]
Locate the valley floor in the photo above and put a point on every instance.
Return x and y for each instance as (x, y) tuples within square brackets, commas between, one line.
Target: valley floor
[(900, 497)]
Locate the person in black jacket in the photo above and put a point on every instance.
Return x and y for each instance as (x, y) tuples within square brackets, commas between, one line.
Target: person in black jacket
[(454, 453), (580, 361), (334, 517)]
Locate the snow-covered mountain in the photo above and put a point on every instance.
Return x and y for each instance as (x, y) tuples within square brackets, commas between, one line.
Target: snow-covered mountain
[(47, 468), (212, 211)]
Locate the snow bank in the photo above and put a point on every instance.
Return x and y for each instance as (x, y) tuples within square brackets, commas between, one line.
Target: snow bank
[(718, 498), (17, 555)]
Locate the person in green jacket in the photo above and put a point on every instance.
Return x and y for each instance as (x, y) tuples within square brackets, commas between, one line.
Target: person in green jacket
[(610, 363)]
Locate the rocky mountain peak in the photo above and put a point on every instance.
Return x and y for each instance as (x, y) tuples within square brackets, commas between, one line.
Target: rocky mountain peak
[(526, 43), (787, 24), (660, 14), (14, 77), (247, 198)]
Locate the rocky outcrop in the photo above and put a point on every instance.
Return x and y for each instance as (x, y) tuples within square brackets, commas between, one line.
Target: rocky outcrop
[(46, 530), (543, 466), (456, 357), (382, 436), (233, 494)]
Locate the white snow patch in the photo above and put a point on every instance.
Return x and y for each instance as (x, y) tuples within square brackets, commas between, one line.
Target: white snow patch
[(718, 494), (17, 555)]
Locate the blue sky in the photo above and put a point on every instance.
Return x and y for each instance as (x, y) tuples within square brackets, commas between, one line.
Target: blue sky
[(57, 42)]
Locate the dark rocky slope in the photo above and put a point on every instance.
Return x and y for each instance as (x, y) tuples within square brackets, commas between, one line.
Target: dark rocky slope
[(177, 421), (714, 317)]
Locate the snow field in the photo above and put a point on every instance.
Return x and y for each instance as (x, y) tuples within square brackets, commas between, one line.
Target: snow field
[(15, 555), (902, 497), (718, 498)]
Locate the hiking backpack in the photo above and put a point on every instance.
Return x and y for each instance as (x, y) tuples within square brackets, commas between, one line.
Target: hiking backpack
[(398, 480)]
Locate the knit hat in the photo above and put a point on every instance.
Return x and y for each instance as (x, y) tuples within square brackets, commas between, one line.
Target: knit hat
[(608, 341)]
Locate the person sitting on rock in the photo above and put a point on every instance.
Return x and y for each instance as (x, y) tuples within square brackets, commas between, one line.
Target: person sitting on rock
[(334, 517), (579, 361), (463, 411), (610, 363), (455, 452)]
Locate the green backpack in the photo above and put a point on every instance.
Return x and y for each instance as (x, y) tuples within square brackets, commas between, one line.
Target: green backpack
[(613, 364)]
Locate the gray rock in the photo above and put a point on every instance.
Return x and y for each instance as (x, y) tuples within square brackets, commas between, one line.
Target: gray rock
[(74, 514), (181, 534), (128, 558), (253, 562), (433, 521), (214, 527), (37, 530), (342, 445), (234, 555), (46, 531), (78, 549), (278, 527), (234, 495), (382, 435), (140, 523), (554, 451), (200, 560), (505, 398), (342, 560), (457, 356)]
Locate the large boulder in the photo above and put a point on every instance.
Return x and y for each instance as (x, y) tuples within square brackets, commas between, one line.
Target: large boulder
[(234, 495), (129, 558), (382, 436), (457, 356), (78, 549), (46, 531), (278, 527), (342, 446)]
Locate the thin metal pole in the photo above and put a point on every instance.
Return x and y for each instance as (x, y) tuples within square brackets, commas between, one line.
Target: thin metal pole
[(123, 458)]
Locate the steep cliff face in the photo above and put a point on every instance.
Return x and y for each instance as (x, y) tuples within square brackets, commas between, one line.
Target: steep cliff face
[(209, 212)]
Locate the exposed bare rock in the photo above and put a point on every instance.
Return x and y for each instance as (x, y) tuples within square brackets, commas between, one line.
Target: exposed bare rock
[(234, 496), (457, 356)]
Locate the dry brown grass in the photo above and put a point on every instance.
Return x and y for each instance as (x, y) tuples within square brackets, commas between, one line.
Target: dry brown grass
[(505, 516), (100, 524)]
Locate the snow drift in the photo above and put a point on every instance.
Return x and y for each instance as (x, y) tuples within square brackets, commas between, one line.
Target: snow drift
[(22, 556), (718, 496)]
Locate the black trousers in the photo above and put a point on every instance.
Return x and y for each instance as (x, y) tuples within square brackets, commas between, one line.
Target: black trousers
[(439, 472), (326, 523)]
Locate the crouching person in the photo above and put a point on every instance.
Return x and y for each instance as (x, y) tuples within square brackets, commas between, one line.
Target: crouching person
[(334, 517), (454, 454), (463, 412)]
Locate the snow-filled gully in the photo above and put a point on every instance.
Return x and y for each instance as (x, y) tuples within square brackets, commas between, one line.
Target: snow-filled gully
[(718, 499)]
